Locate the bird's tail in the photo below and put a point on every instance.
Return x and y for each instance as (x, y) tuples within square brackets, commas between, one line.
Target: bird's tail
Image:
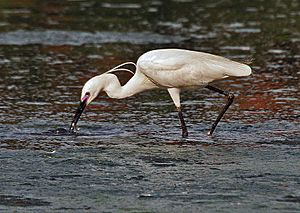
[(239, 69)]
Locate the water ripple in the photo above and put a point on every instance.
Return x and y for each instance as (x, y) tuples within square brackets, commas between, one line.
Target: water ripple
[(77, 38)]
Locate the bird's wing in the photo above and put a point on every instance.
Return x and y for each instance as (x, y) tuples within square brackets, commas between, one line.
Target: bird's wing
[(160, 62), (225, 66), (181, 68), (168, 68)]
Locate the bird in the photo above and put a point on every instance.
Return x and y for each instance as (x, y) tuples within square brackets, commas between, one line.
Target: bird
[(174, 70)]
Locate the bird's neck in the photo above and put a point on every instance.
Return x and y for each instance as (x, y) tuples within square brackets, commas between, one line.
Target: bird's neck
[(136, 84)]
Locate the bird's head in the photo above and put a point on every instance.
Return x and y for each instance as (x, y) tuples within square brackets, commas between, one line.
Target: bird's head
[(89, 92)]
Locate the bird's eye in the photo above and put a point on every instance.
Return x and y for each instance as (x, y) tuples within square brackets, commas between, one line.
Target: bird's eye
[(85, 97)]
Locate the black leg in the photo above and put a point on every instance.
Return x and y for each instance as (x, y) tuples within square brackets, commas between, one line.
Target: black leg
[(230, 97), (183, 126)]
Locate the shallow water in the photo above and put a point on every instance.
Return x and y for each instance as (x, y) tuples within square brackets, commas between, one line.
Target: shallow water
[(128, 155)]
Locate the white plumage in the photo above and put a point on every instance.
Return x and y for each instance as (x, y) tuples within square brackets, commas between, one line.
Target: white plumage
[(171, 69), (177, 68)]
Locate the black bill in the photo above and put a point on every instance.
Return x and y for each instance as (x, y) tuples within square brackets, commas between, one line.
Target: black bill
[(77, 115)]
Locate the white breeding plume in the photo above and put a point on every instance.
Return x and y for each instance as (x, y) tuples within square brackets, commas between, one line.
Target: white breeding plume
[(170, 69)]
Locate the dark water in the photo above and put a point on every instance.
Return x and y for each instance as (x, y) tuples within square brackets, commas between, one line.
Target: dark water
[(128, 155)]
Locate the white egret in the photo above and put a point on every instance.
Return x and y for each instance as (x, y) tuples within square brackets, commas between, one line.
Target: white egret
[(170, 69)]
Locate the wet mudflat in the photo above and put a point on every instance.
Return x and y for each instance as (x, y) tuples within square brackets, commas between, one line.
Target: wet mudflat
[(128, 155)]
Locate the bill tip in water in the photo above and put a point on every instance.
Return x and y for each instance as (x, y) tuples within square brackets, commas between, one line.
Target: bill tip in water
[(73, 128)]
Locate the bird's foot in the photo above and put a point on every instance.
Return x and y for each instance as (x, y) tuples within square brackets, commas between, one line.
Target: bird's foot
[(185, 134)]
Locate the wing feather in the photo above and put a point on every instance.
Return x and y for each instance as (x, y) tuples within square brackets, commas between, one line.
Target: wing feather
[(180, 68)]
